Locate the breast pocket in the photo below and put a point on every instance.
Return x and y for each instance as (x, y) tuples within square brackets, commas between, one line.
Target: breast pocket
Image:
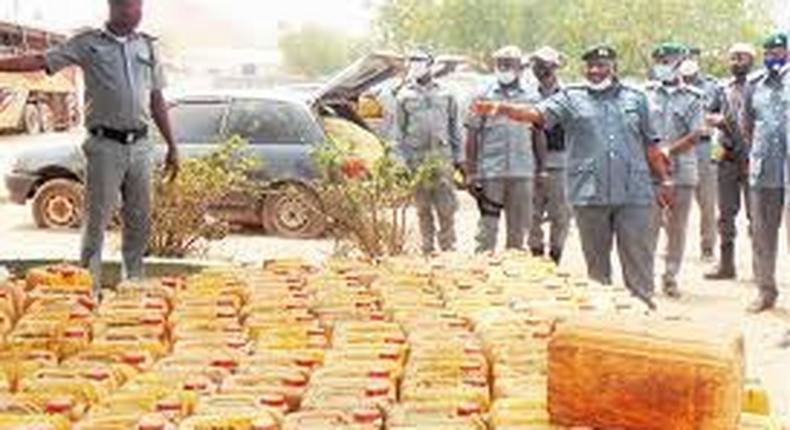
[(106, 59), (144, 67)]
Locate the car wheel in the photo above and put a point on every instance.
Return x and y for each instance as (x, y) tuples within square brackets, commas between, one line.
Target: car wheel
[(293, 211), (58, 204), (31, 120)]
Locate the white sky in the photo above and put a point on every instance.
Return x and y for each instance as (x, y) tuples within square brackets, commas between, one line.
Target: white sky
[(259, 18)]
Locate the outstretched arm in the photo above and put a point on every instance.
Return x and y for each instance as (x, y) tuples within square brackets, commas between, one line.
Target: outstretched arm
[(24, 63), (516, 112)]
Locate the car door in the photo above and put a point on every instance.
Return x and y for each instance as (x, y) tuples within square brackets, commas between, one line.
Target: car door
[(282, 135), (198, 126)]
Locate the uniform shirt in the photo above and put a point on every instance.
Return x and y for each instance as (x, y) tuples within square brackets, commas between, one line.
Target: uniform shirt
[(733, 104), (608, 133), (556, 154), (119, 76), (766, 114), (505, 147), (676, 112), (711, 92), (427, 124)]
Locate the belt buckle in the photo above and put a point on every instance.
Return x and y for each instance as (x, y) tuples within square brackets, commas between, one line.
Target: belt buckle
[(130, 138)]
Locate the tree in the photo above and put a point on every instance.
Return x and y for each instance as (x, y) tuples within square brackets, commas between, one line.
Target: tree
[(477, 27), (315, 51)]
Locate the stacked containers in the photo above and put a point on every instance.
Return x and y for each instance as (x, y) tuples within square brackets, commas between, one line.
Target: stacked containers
[(356, 385)]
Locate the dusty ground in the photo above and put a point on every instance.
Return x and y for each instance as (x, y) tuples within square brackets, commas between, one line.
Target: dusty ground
[(703, 301)]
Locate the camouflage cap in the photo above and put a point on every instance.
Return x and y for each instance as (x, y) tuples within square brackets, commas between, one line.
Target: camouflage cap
[(509, 53), (548, 55)]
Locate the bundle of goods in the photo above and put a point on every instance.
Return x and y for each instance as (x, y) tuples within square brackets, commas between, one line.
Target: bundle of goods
[(450, 343)]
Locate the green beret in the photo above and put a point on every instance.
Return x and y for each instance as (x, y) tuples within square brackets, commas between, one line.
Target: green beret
[(776, 40), (600, 52), (669, 48)]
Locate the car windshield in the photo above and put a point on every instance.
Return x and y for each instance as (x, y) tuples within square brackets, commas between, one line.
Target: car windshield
[(273, 121), (198, 122)]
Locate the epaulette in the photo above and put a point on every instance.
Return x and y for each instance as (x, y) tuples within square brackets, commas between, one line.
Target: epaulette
[(149, 37), (697, 91), (756, 76)]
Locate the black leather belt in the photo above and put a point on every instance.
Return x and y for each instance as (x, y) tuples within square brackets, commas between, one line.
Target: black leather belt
[(124, 137)]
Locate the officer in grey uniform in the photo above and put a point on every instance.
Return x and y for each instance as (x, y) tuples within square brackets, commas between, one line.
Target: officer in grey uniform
[(678, 114), (766, 129), (733, 178), (500, 157), (705, 192), (551, 201), (123, 92), (612, 148), (428, 132)]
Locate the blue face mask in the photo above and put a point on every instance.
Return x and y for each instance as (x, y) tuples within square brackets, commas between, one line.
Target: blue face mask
[(775, 64)]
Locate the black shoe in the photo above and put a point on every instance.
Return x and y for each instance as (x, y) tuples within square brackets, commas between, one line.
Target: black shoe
[(721, 274), (671, 289), (556, 256), (785, 342), (537, 252), (765, 302)]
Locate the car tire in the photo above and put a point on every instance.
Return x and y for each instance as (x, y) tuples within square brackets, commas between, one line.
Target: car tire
[(31, 119), (293, 211), (58, 204), (46, 118)]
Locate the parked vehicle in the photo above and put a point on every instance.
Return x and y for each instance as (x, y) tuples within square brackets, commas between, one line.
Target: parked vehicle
[(281, 128), (34, 102)]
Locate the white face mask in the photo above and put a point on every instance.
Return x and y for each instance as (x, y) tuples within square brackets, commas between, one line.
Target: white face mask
[(506, 77), (601, 86), (418, 70)]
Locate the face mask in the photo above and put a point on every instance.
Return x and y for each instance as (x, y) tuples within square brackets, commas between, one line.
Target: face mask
[(506, 77), (775, 65), (418, 70), (601, 86), (664, 73)]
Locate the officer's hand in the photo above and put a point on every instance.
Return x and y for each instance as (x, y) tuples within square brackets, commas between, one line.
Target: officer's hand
[(540, 179), (714, 120), (172, 164), (665, 195), (481, 107)]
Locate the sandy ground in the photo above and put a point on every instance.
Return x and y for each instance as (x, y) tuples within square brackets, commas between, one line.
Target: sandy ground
[(703, 301)]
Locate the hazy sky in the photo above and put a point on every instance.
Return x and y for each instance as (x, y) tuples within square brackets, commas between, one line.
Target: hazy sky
[(221, 21), (260, 19)]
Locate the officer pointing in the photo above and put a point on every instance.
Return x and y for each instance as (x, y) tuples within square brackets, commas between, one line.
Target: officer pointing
[(123, 91), (611, 150)]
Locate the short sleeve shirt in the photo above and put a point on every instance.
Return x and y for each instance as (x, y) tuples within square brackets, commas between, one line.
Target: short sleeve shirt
[(766, 112), (505, 146), (678, 111), (119, 76), (607, 134)]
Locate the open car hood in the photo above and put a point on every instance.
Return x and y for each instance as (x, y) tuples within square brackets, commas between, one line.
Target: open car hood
[(371, 70), (360, 76)]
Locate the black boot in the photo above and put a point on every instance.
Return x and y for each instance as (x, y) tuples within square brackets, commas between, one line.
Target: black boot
[(556, 256), (537, 252), (765, 301), (726, 268)]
